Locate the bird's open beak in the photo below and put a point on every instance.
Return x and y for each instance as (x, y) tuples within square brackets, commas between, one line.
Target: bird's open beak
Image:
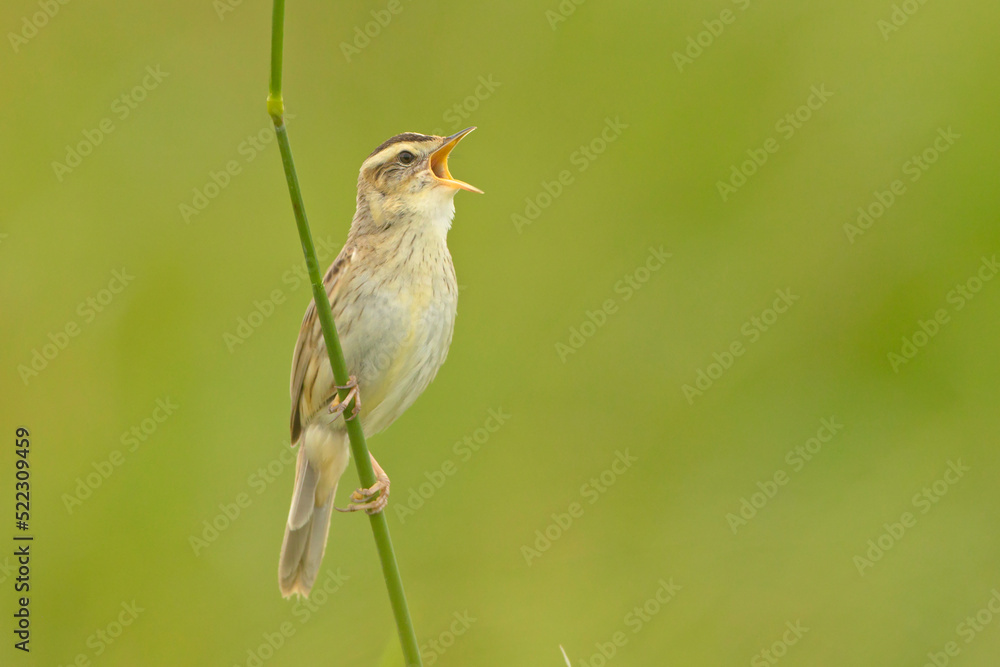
[(439, 163)]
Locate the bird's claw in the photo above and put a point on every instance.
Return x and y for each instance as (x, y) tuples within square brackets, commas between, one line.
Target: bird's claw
[(372, 500), (338, 406)]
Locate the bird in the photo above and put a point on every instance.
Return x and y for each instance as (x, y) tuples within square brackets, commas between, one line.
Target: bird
[(394, 296)]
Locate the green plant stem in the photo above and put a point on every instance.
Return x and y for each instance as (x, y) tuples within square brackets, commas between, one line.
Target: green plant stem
[(359, 448)]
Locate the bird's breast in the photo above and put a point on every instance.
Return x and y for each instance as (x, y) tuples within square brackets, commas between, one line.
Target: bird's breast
[(399, 333)]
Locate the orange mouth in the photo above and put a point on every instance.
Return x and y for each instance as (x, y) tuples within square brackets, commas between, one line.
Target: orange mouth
[(439, 163)]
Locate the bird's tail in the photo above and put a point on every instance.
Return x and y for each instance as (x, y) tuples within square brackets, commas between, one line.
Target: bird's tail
[(306, 530)]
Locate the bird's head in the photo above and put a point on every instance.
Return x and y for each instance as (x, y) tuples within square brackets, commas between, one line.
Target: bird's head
[(407, 178)]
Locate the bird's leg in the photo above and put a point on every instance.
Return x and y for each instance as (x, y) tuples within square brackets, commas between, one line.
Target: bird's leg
[(374, 499), (338, 406)]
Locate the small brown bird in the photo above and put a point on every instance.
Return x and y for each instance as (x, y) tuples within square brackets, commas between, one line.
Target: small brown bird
[(393, 293)]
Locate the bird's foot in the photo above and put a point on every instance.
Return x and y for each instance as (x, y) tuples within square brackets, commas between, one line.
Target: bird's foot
[(338, 406), (373, 499)]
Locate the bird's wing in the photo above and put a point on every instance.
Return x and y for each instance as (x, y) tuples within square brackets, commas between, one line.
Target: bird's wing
[(311, 337)]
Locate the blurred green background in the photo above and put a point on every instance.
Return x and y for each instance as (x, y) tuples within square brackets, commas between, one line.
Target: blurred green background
[(194, 79)]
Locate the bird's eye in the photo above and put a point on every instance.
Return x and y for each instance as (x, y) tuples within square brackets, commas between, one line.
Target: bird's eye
[(406, 157)]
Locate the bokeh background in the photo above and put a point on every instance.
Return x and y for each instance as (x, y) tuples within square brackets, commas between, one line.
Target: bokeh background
[(541, 81)]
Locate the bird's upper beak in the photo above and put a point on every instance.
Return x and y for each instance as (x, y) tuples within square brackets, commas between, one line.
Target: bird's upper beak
[(439, 163)]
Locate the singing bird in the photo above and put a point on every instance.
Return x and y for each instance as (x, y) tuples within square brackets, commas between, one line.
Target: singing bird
[(393, 293)]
